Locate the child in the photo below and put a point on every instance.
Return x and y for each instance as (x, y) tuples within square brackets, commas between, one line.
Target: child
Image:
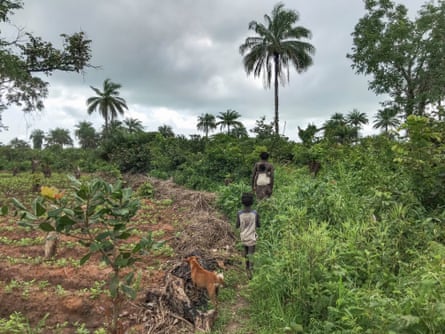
[(263, 177), (247, 221)]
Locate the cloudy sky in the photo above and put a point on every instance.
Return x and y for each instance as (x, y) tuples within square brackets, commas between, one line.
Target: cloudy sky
[(178, 59)]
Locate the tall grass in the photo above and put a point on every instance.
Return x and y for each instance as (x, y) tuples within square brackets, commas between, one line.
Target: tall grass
[(346, 252)]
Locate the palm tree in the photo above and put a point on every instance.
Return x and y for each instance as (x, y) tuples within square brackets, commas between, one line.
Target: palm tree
[(86, 134), (338, 130), (278, 45), (59, 137), (37, 136), (133, 125), (228, 119), (386, 118), (166, 131), (107, 102), (357, 118), (206, 123)]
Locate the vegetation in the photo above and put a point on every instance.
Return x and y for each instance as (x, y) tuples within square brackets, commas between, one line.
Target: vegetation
[(97, 214), (402, 55), (107, 102), (23, 59), (277, 45), (357, 249)]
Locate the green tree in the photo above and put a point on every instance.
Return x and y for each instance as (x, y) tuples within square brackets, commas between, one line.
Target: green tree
[(228, 119), (133, 125), (18, 143), (86, 134), (107, 102), (357, 119), (278, 44), (166, 131), (263, 130), (307, 136), (24, 59), (403, 56), (59, 137), (386, 119), (337, 129), (206, 123), (239, 131), (37, 136)]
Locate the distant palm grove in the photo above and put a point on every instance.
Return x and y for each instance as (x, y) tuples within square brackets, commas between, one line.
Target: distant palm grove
[(358, 248)]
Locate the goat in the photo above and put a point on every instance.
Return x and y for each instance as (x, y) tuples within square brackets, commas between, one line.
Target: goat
[(202, 278)]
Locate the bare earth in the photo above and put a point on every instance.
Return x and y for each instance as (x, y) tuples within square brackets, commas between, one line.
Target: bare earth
[(71, 295)]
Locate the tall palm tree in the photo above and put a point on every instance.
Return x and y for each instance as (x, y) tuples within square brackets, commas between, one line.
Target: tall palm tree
[(107, 102), (357, 118), (278, 45), (86, 134), (206, 123), (228, 119), (386, 119), (133, 125), (37, 136), (60, 137)]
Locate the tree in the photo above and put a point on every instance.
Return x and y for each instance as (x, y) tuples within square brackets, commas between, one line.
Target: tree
[(107, 102), (307, 136), (18, 143), (206, 123), (133, 125), (357, 118), (403, 56), (337, 129), (277, 45), (59, 137), (228, 119), (386, 119), (263, 130), (86, 134), (24, 59), (239, 131), (166, 131), (37, 137)]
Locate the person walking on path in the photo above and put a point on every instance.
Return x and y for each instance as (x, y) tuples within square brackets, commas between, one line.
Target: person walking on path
[(263, 177), (248, 221)]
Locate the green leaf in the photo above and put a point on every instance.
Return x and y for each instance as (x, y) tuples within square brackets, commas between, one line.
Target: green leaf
[(64, 222), (102, 236), (129, 278), (68, 212), (5, 210), (85, 259), (28, 216), (123, 235), (129, 291), (55, 212), (47, 227), (18, 204), (38, 208)]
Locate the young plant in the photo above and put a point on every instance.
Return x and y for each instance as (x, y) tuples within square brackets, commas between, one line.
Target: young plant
[(98, 214)]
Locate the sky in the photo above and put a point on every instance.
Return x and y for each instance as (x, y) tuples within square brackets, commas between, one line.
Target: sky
[(179, 59)]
